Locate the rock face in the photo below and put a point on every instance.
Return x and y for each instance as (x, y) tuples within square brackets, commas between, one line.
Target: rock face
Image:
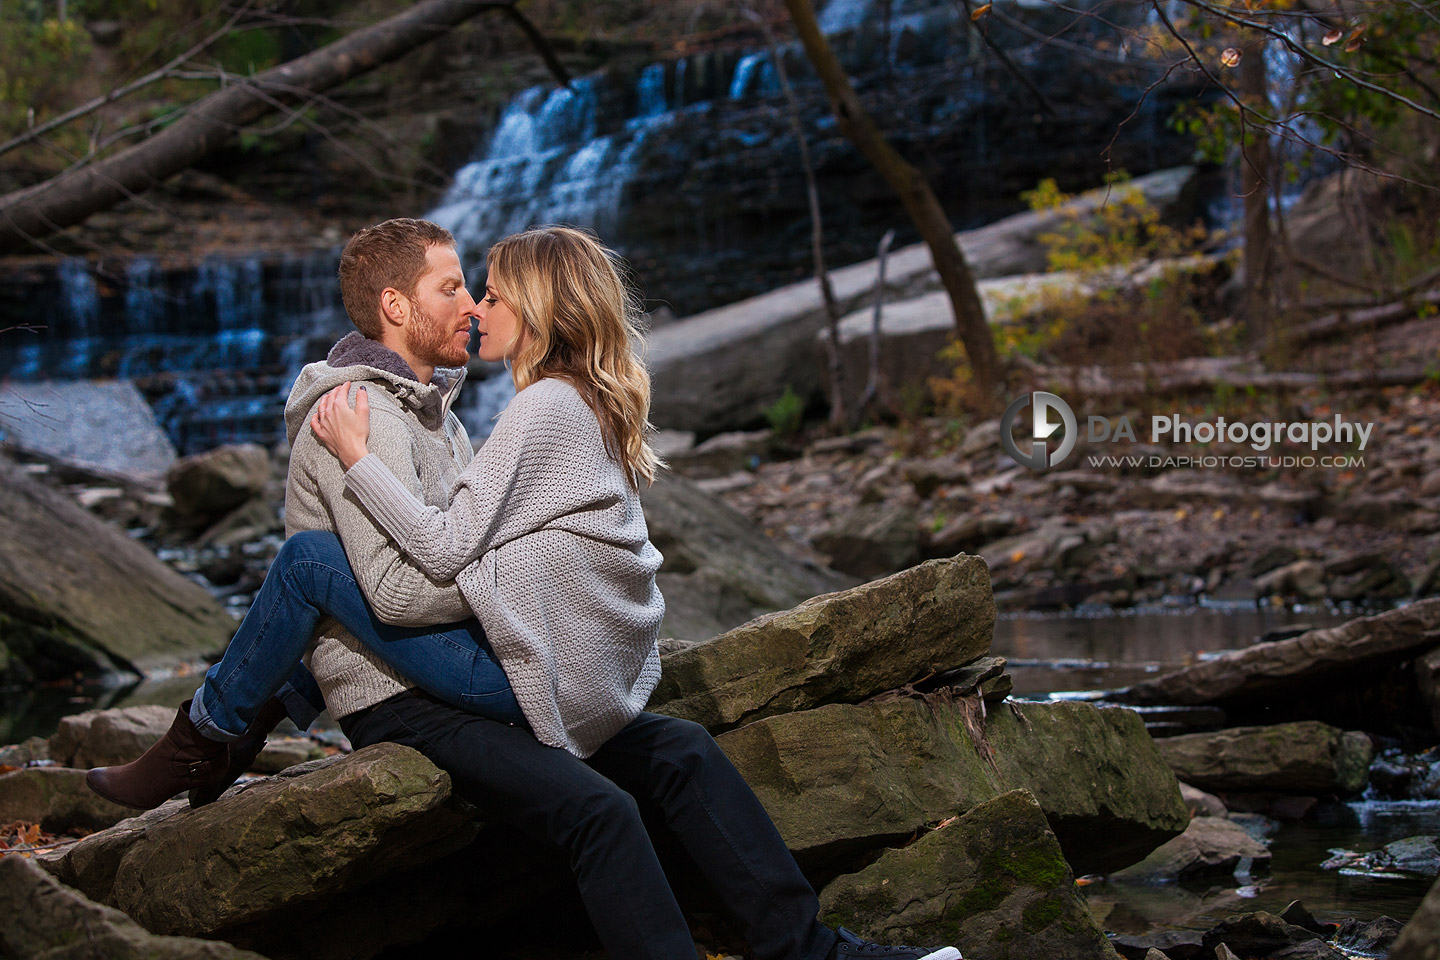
[(992, 883), (1210, 845), (79, 595), (1305, 757), (842, 779), (45, 920), (1420, 940), (102, 738), (839, 647), (274, 843), (719, 570), (57, 799)]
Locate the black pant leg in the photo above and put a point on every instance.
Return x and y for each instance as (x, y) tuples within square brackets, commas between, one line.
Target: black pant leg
[(559, 800), (724, 828)]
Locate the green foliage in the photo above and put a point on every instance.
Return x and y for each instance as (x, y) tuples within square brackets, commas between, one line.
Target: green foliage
[(1124, 229), (42, 57), (786, 415)]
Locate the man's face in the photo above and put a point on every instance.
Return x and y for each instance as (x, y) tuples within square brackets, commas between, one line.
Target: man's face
[(439, 332)]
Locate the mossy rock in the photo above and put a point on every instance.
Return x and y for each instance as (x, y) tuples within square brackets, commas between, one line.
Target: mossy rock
[(992, 882)]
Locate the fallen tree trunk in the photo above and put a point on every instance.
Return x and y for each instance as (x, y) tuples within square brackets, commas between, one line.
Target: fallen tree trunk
[(31, 214), (1345, 322), (1204, 374)]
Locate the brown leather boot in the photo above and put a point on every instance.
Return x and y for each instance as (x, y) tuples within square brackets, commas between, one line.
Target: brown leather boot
[(182, 759), (242, 753)]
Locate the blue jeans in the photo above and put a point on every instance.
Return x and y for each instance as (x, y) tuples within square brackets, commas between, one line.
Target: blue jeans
[(311, 578), (594, 810)]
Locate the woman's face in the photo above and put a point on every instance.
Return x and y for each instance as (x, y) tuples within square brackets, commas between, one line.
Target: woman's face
[(498, 327)]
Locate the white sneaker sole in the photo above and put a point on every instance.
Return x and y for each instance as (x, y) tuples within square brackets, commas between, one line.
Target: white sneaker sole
[(944, 953)]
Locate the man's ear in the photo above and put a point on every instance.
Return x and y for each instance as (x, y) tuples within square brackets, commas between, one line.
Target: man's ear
[(394, 307)]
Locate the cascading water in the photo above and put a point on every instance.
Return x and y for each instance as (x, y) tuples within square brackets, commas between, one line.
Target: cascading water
[(687, 167)]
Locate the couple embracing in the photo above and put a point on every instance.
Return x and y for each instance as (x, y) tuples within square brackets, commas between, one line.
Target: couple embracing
[(497, 611)]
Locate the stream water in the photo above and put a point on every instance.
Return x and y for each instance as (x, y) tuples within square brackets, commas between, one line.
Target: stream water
[(1076, 655)]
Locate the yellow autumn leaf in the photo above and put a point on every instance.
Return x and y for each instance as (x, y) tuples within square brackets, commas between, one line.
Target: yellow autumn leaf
[(1017, 556), (1218, 514), (1230, 56), (980, 11), (1181, 514), (1357, 36)]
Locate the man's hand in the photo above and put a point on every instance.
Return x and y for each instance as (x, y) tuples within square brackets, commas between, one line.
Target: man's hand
[(340, 429)]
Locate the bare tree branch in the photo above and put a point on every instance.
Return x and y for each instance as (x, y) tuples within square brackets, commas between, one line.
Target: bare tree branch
[(34, 212)]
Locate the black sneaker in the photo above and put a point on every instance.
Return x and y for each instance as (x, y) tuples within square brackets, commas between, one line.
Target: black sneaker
[(850, 945)]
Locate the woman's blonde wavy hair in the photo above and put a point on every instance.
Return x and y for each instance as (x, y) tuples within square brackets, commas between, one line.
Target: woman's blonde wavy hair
[(580, 323)]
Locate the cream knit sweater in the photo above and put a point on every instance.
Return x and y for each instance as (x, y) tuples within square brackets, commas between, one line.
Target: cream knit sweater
[(550, 548)]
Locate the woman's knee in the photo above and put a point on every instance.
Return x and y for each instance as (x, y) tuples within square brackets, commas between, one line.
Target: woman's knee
[(600, 812), (309, 545)]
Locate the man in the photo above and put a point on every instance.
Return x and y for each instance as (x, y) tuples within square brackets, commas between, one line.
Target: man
[(403, 287)]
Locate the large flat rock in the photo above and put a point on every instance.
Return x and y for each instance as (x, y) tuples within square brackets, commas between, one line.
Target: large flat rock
[(719, 570), (841, 647), (720, 369), (844, 779), (102, 426), (1301, 758), (1210, 846), (992, 882), (1268, 670), (79, 595), (271, 844), (42, 919), (57, 799)]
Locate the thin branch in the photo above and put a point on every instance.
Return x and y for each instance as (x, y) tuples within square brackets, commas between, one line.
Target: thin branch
[(1040, 99), (538, 41), (154, 76), (1301, 51)]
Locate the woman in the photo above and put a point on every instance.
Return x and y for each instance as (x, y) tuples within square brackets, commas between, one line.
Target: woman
[(546, 538)]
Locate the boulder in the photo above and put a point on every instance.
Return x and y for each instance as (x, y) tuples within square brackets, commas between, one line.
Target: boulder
[(1169, 944), (42, 919), (1202, 804), (117, 436), (1407, 858), (1375, 938), (102, 738), (1301, 758), (1209, 846), (1427, 679), (841, 780), (872, 540), (842, 646), (719, 570), (57, 799), (272, 843), (207, 486), (1420, 940), (992, 882), (1255, 934), (1356, 675), (281, 753), (78, 595)]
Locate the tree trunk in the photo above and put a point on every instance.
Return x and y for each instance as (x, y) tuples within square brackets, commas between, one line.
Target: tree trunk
[(33, 213), (914, 191), (1255, 187)]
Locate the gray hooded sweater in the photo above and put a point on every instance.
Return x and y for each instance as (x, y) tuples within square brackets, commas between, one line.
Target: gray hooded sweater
[(413, 431)]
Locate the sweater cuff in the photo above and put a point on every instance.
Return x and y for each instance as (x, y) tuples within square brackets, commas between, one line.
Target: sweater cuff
[(381, 492)]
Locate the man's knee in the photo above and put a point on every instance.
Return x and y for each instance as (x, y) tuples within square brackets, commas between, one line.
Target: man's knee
[(587, 815), (685, 743)]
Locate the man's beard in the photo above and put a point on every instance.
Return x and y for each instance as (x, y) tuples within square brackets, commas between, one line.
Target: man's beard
[(433, 344)]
